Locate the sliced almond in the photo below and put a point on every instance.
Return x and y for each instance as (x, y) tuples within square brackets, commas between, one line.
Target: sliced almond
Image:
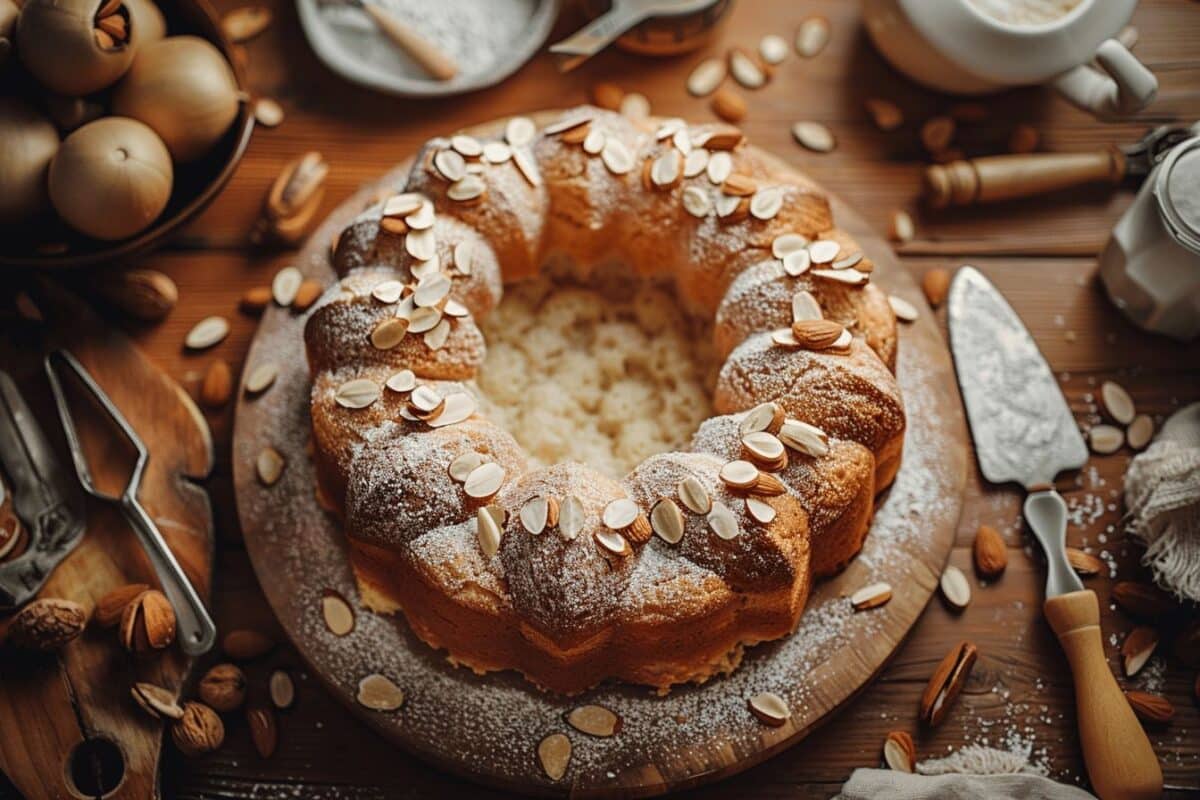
[(389, 333), (760, 510), (527, 167), (484, 481), (620, 514), (426, 401), (457, 407), (613, 542), (261, 378), (899, 752), (423, 320), (955, 587), (902, 228), (356, 393), (594, 720), (852, 260), (471, 187), (464, 257), (773, 49), (667, 520), (422, 245), (783, 337), (739, 474), (487, 531), (763, 417), (520, 131), (695, 163), (1116, 403), (1105, 439), (886, 115), (593, 143), (379, 693), (693, 495), (267, 111), (617, 157), (435, 339), (269, 466), (554, 754), (402, 381), (766, 203), (848, 276), (804, 438), (797, 263), (464, 464), (571, 517), (282, 689), (722, 522), (721, 139), (337, 613), (1137, 648), (534, 513), (903, 309), (401, 205), (634, 105), (497, 153), (805, 307), (468, 146), (157, 701), (666, 170), (770, 709), (206, 333), (696, 202), (746, 70), (732, 209), (787, 243), (451, 165), (763, 446), (719, 168), (812, 36), (1140, 432), (285, 284), (824, 251), (871, 596), (706, 77), (814, 136)]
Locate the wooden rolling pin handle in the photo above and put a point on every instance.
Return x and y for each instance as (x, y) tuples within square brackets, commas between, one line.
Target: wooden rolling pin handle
[(431, 59), (992, 178), (1120, 761)]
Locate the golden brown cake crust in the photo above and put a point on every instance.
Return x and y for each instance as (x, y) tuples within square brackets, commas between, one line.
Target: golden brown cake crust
[(445, 517)]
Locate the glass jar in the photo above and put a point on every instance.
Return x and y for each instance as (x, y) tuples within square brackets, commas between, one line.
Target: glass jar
[(1151, 264)]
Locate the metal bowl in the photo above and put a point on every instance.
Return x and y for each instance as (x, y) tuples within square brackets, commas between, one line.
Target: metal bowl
[(50, 244)]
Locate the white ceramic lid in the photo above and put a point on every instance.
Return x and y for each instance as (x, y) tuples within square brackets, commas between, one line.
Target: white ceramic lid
[(1177, 189), (1000, 52)]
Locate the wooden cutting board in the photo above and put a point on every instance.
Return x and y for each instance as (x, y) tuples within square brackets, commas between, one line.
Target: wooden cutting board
[(487, 728), (68, 726)]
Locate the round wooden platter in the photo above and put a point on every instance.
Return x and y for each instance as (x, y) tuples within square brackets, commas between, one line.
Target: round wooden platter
[(487, 728)]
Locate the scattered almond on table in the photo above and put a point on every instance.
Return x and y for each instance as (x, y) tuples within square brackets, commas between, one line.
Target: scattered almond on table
[(955, 587), (554, 754), (217, 384), (1137, 648), (243, 24), (886, 115), (1150, 708), (223, 687), (899, 752), (728, 105), (936, 285), (937, 133), (812, 36), (947, 683), (608, 95), (1085, 565), (990, 552)]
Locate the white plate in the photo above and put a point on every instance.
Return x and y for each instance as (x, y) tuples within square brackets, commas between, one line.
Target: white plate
[(362, 54)]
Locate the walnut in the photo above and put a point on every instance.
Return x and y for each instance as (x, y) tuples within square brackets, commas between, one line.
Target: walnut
[(223, 687), (198, 731), (47, 624)]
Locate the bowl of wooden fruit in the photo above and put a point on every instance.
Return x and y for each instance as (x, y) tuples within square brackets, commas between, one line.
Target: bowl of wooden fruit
[(120, 120)]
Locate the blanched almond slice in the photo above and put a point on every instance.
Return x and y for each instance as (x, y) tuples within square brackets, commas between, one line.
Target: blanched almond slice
[(814, 136), (722, 521), (498, 515), (787, 243), (423, 218), (401, 205), (389, 333), (620, 514), (773, 49), (719, 168), (421, 245), (527, 167), (281, 689), (469, 146), (693, 495), (269, 466), (823, 251), (706, 77), (766, 203), (554, 754), (695, 163), (669, 128), (902, 228), (496, 152), (357, 393), (762, 417), (785, 338), (519, 131), (760, 510), (797, 262), (739, 474), (534, 514), (423, 269), (285, 284), (667, 520), (378, 693), (1106, 439), (696, 202), (770, 709), (1140, 432), (871, 596), (453, 308), (616, 157), (469, 188), (955, 587), (432, 289), (805, 438), (484, 481), (465, 464), (612, 542), (682, 140), (745, 70), (423, 319), (594, 720), (849, 276), (903, 309), (812, 36), (425, 399), (435, 339), (805, 307), (1137, 648), (571, 516), (763, 446), (450, 164), (635, 105), (206, 333), (665, 169), (727, 205), (402, 381), (261, 378), (593, 143), (843, 341), (338, 615), (488, 531), (1116, 403), (851, 260), (388, 291)]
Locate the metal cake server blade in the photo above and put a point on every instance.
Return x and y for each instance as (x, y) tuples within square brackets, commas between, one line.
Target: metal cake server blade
[(1024, 432)]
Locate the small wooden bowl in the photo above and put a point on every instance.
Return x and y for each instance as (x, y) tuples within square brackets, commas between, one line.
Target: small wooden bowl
[(51, 244)]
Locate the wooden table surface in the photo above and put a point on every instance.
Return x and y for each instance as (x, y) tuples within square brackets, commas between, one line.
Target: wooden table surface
[(1041, 253)]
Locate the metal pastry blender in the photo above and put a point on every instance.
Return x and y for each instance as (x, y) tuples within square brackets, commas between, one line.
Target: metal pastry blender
[(1025, 433), (196, 630)]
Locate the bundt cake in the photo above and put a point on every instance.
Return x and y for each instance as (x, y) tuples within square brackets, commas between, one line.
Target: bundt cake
[(563, 573)]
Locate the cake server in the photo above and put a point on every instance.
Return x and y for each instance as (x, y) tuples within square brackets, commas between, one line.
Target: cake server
[(197, 632), (1025, 433)]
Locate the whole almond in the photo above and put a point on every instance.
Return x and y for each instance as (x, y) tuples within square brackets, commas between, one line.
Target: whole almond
[(145, 294), (1151, 708), (110, 607), (991, 554), (728, 105), (936, 285), (899, 752), (223, 687), (198, 731), (47, 624), (148, 623), (307, 294), (1137, 648), (245, 644), (946, 683), (816, 334), (886, 115), (1084, 564), (264, 732), (937, 133), (256, 299), (1142, 600), (217, 385), (608, 95)]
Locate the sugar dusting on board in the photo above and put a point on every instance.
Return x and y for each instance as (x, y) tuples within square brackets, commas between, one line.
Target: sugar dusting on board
[(489, 726)]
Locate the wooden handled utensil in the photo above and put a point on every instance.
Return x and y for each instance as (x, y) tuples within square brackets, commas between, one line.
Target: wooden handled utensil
[(1024, 432), (425, 53)]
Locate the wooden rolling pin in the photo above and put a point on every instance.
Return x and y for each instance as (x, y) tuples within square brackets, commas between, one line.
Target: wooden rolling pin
[(993, 178)]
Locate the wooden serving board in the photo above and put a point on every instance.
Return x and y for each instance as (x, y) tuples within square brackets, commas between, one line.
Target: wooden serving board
[(51, 705), (487, 728)]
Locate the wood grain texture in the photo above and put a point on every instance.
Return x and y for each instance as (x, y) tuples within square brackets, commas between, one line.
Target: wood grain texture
[(52, 704), (1039, 252)]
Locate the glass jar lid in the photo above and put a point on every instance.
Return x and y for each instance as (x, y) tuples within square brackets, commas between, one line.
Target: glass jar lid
[(1177, 189)]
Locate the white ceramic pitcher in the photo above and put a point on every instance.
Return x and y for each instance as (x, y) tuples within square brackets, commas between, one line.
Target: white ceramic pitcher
[(953, 46)]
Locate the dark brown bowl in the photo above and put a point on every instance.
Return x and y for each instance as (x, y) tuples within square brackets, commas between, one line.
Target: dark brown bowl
[(196, 184)]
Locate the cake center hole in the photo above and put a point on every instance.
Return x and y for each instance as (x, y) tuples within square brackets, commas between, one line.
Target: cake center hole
[(606, 372)]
